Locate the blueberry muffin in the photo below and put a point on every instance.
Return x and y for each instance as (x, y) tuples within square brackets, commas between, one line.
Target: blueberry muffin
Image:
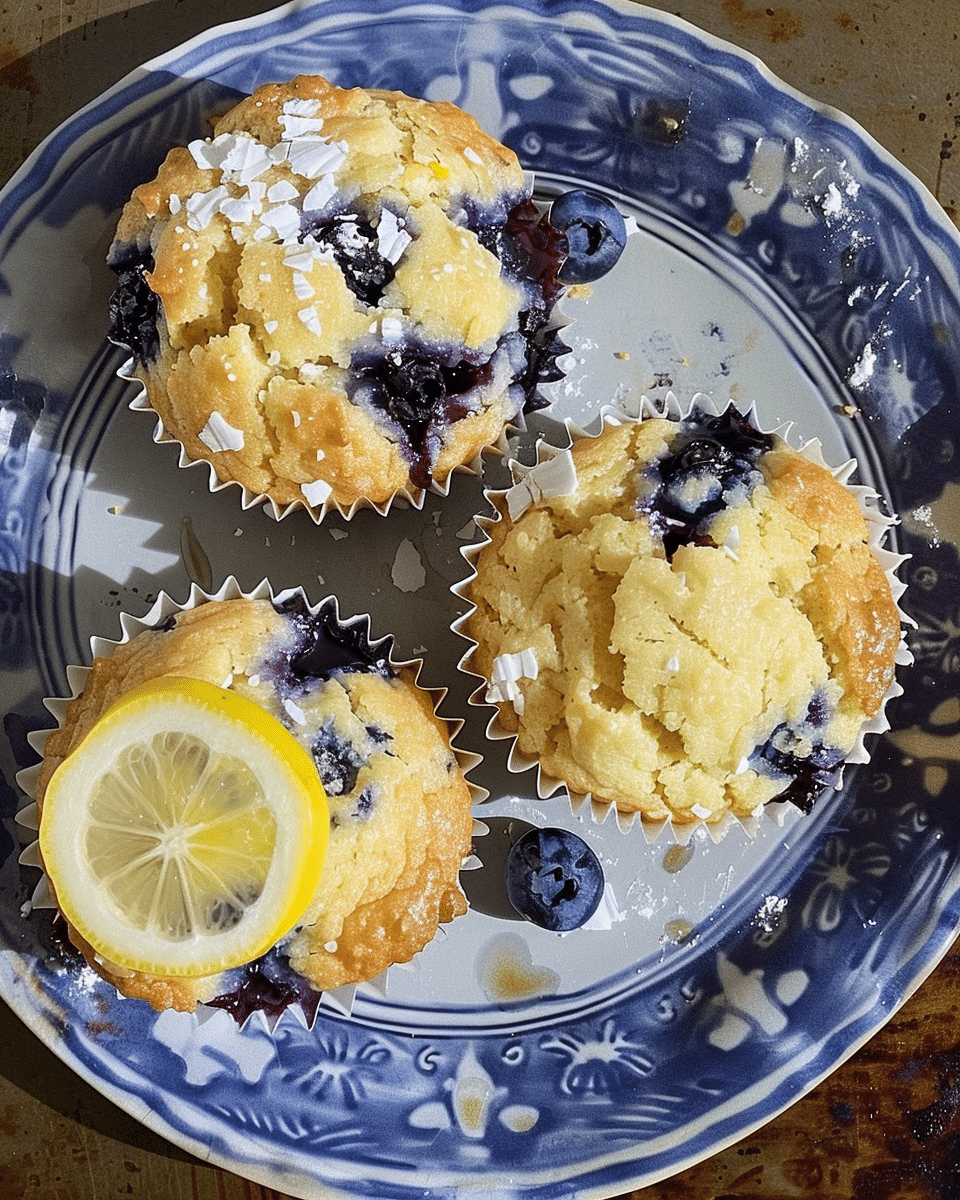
[(338, 297), (684, 618), (399, 805)]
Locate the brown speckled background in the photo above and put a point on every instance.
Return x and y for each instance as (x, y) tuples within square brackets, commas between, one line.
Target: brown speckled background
[(886, 1125)]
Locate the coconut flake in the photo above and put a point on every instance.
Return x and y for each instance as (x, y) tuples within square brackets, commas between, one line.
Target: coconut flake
[(306, 254), (294, 127), (282, 190), (507, 670), (311, 319), (312, 157), (302, 287), (283, 219), (202, 207), (556, 476), (320, 195), (209, 155), (245, 159), (301, 106), (391, 329), (392, 237), (732, 543), (315, 493), (219, 435), (408, 572), (239, 210)]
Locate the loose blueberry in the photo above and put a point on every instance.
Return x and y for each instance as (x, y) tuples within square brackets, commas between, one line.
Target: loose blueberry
[(595, 231), (554, 879)]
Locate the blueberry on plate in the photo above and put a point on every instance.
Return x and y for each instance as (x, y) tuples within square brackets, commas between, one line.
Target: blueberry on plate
[(595, 231), (554, 879)]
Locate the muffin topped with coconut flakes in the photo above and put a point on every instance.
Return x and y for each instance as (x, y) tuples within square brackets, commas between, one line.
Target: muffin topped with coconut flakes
[(338, 297)]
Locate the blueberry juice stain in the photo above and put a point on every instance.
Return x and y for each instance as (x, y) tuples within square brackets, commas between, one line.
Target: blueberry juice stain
[(713, 463), (321, 649), (422, 390), (134, 308), (355, 247), (799, 755)]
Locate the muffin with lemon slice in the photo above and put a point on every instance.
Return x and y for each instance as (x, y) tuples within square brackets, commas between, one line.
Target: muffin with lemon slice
[(251, 776)]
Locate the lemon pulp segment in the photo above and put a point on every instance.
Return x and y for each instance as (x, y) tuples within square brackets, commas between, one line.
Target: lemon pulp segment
[(185, 834)]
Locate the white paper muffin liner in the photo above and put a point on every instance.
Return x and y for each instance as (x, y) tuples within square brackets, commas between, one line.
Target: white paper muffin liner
[(405, 498), (553, 470), (165, 606)]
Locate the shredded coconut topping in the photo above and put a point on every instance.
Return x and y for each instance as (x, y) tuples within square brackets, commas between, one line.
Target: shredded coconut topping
[(202, 207), (310, 318), (294, 127), (301, 106), (302, 288), (312, 157), (556, 476), (282, 190), (507, 670), (392, 237), (315, 493), (239, 210), (245, 158), (218, 435), (284, 219), (320, 194)]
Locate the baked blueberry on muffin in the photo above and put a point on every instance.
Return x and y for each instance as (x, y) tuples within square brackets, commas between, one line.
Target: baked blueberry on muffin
[(399, 807), (339, 296), (684, 618)]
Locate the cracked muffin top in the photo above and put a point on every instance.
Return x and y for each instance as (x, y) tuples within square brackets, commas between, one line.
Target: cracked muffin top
[(693, 624), (339, 296)]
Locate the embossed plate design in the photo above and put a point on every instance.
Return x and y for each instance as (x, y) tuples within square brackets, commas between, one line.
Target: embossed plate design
[(781, 259)]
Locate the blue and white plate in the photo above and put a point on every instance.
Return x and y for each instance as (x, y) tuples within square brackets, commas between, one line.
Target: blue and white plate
[(781, 259)]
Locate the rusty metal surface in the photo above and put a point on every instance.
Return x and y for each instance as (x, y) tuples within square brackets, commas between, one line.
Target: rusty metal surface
[(884, 1126)]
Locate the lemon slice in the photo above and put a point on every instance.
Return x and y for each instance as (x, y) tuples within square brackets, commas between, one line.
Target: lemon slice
[(186, 833)]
